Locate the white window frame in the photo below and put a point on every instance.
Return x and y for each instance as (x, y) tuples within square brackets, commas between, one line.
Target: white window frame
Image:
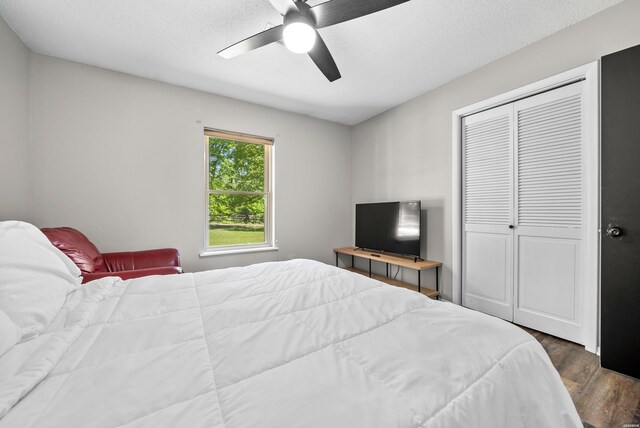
[(269, 223)]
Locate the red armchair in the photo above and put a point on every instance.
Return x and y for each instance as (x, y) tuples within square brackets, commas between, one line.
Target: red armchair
[(126, 265)]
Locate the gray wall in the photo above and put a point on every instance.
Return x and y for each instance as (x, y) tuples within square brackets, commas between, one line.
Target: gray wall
[(14, 129), (122, 159), (405, 153)]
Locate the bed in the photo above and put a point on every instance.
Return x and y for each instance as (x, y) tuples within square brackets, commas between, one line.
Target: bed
[(284, 344)]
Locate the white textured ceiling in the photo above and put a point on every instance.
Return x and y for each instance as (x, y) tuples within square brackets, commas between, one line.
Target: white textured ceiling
[(385, 58)]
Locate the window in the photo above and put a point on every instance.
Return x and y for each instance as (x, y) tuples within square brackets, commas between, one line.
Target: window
[(239, 192)]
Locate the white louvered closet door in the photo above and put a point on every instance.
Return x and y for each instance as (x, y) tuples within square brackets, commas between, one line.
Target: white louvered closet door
[(549, 156), (487, 185)]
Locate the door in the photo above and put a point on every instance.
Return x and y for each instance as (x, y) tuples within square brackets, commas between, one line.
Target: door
[(549, 215), (620, 240), (487, 192), (523, 192)]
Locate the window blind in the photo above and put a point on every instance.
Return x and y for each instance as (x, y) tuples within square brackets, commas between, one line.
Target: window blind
[(235, 136)]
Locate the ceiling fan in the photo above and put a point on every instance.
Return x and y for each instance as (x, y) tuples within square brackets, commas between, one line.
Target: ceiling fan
[(300, 26)]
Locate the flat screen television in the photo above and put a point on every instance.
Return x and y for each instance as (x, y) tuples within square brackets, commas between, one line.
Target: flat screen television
[(392, 227)]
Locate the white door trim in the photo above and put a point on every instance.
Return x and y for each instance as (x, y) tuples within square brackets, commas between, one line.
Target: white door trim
[(590, 73)]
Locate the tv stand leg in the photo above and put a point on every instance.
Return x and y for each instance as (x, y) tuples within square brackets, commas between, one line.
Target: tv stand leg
[(418, 281), (369, 268), (336, 259), (352, 258)]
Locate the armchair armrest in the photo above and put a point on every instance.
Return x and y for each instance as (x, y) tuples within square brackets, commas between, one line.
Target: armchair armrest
[(130, 274), (134, 260)]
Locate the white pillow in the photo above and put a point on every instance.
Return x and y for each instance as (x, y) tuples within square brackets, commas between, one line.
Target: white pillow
[(9, 333), (34, 277)]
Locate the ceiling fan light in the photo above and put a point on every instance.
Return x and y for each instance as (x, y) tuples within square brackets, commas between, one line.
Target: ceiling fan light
[(299, 37)]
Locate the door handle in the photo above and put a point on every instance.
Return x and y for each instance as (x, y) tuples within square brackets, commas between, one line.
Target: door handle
[(613, 231), (510, 226)]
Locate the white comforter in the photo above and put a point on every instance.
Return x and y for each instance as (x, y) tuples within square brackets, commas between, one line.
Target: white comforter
[(288, 344)]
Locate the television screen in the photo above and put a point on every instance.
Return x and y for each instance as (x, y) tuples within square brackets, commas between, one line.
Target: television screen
[(389, 226)]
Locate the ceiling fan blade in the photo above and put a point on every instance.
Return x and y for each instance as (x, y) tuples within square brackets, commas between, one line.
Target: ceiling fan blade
[(322, 57), (283, 6), (254, 42), (337, 11)]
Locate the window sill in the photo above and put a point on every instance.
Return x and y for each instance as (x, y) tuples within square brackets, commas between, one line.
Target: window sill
[(237, 251)]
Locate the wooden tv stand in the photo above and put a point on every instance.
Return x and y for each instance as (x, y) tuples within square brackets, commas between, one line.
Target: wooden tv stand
[(389, 259)]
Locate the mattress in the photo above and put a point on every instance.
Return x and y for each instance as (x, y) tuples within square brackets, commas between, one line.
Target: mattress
[(284, 344)]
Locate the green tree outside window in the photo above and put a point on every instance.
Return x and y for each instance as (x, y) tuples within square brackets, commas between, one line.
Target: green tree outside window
[(237, 192)]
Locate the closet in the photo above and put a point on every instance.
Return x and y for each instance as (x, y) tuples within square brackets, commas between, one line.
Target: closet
[(523, 216)]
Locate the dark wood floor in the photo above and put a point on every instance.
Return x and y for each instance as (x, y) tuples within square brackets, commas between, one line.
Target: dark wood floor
[(603, 398)]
